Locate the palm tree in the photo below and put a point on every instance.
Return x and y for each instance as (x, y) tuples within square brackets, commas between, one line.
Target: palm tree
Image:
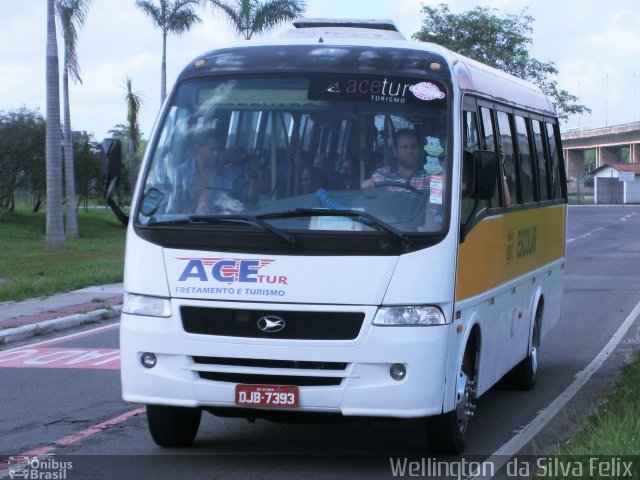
[(134, 102), (54, 237), (71, 14), (254, 16), (175, 16)]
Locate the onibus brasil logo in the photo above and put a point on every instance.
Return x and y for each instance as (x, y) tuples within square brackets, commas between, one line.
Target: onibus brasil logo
[(45, 467)]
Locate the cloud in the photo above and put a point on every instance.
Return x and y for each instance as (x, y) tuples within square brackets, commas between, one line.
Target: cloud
[(619, 39), (118, 40)]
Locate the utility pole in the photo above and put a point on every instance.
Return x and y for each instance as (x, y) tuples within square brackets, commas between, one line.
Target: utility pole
[(634, 97), (606, 102), (580, 114)]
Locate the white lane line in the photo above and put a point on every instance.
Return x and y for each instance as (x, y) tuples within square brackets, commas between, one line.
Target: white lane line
[(503, 454), (584, 235)]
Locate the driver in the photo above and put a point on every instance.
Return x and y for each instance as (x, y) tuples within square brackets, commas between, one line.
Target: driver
[(409, 168), (209, 179)]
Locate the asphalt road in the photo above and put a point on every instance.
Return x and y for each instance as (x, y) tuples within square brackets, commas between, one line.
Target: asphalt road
[(61, 395)]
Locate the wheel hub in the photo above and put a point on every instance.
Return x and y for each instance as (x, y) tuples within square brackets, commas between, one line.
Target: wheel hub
[(465, 400)]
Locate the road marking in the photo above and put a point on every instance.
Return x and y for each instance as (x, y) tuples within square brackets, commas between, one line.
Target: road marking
[(75, 437), (588, 234), (98, 358), (584, 235), (35, 356), (503, 454)]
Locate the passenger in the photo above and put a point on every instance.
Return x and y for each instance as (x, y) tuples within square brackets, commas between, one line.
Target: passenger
[(236, 175), (349, 174), (409, 167), (333, 181), (312, 179), (506, 195)]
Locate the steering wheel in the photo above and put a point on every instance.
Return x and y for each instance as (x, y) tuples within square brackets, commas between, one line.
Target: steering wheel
[(405, 186)]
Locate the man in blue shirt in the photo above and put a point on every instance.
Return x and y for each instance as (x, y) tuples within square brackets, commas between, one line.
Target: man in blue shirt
[(214, 178)]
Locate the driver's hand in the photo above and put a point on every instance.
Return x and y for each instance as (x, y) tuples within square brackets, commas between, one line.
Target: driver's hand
[(368, 183)]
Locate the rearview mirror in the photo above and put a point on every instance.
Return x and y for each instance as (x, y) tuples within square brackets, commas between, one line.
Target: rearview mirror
[(111, 162), (111, 172), (479, 173), (468, 174)]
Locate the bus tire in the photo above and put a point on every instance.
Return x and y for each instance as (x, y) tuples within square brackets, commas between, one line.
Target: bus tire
[(448, 433), (173, 426), (525, 375)]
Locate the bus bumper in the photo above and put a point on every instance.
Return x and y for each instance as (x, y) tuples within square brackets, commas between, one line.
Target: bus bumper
[(364, 386)]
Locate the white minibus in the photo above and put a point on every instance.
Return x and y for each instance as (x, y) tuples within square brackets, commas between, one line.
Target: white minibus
[(341, 222)]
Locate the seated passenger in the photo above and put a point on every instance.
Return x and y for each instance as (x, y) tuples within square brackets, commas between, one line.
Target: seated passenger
[(333, 180), (349, 174), (312, 179)]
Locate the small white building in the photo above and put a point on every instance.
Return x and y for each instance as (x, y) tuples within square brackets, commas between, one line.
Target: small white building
[(616, 183)]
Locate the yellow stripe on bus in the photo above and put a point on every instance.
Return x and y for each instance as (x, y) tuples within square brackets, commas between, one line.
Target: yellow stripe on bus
[(504, 247)]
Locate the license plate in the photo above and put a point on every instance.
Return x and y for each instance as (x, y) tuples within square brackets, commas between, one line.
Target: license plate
[(267, 396)]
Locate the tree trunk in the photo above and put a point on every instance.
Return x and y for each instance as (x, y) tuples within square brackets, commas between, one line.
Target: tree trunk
[(163, 70), (69, 174), (54, 237)]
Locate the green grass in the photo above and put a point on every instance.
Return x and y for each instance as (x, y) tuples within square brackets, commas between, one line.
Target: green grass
[(612, 431), (28, 269)]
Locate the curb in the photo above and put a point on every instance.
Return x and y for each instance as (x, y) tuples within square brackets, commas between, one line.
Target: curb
[(57, 324)]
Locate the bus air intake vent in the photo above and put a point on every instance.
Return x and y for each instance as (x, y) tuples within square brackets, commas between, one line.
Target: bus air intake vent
[(327, 373)]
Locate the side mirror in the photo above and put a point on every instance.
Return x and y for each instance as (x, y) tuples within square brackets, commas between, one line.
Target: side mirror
[(111, 162), (468, 174), (111, 172), (486, 173), (479, 174)]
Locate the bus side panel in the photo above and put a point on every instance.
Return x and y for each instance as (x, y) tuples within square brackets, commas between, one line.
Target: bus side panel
[(504, 247), (505, 263)]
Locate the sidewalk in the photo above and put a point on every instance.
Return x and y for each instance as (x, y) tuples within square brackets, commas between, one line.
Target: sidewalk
[(38, 316)]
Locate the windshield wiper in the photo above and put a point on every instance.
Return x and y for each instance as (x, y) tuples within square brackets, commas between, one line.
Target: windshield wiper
[(357, 215), (244, 218), (211, 219)]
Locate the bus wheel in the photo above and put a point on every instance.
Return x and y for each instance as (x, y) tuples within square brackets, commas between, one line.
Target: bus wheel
[(525, 375), (173, 426), (448, 433)]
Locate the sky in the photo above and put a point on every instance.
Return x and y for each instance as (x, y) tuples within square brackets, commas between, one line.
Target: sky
[(595, 46)]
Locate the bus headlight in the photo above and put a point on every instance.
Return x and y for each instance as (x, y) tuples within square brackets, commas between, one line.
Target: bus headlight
[(409, 315), (145, 305)]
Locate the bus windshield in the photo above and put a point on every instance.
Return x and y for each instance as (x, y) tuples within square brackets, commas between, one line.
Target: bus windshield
[(303, 153)]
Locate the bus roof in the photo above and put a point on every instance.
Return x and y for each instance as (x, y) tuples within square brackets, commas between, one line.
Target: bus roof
[(354, 43)]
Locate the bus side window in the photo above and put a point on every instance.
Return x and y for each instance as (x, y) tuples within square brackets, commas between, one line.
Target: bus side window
[(527, 172), (470, 143), (541, 161), (470, 132), (509, 164), (488, 142), (556, 179)]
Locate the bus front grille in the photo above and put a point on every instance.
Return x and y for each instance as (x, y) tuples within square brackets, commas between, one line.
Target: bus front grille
[(301, 373), (296, 325)]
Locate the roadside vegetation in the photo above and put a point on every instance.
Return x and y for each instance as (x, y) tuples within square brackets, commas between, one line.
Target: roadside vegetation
[(28, 269), (611, 432)]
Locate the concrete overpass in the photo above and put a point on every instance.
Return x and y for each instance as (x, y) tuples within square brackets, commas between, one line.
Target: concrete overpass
[(608, 143)]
